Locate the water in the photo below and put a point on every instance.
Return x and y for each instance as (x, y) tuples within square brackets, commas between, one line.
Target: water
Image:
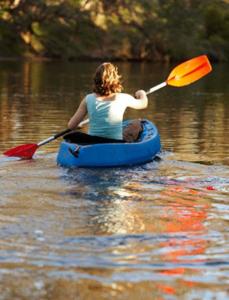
[(157, 231)]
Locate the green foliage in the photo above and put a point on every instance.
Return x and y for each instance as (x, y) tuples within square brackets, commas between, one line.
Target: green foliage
[(217, 30), (156, 30)]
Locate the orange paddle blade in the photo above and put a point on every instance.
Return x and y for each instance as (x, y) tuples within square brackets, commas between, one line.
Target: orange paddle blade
[(23, 151), (189, 71)]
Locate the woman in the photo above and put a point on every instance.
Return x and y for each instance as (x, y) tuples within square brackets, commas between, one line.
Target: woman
[(106, 107)]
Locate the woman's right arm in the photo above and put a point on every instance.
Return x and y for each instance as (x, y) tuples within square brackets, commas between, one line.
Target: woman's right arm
[(140, 101), (78, 116)]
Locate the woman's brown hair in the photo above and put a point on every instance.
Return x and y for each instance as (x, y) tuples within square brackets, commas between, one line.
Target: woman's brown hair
[(107, 80)]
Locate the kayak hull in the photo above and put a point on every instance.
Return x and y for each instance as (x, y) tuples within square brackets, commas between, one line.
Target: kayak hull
[(112, 154)]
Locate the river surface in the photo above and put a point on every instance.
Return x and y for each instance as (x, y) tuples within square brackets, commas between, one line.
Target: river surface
[(156, 231)]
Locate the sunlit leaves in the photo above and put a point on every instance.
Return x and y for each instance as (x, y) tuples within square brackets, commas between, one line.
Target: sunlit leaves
[(122, 29)]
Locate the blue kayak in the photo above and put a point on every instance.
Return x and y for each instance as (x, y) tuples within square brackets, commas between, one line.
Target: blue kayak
[(112, 154)]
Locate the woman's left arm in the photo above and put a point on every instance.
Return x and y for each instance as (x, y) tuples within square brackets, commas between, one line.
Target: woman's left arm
[(78, 116)]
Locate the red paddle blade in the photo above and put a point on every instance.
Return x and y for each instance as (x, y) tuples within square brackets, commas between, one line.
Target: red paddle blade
[(23, 151), (189, 71)]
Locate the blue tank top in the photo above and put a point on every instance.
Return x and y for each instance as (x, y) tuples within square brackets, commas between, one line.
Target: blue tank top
[(105, 117)]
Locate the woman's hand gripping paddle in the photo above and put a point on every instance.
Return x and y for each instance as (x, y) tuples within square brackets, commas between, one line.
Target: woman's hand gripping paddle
[(183, 74)]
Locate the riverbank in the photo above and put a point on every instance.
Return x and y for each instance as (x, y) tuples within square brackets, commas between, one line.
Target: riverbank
[(155, 31)]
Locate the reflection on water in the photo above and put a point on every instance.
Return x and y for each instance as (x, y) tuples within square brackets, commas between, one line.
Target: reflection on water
[(37, 99), (157, 231), (120, 232)]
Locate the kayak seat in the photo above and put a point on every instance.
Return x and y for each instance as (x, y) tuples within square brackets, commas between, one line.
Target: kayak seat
[(82, 138), (132, 131)]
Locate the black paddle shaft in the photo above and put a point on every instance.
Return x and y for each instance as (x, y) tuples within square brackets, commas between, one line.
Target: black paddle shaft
[(51, 138), (61, 133)]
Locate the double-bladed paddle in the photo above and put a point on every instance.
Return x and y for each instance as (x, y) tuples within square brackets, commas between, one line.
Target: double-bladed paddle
[(183, 74)]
